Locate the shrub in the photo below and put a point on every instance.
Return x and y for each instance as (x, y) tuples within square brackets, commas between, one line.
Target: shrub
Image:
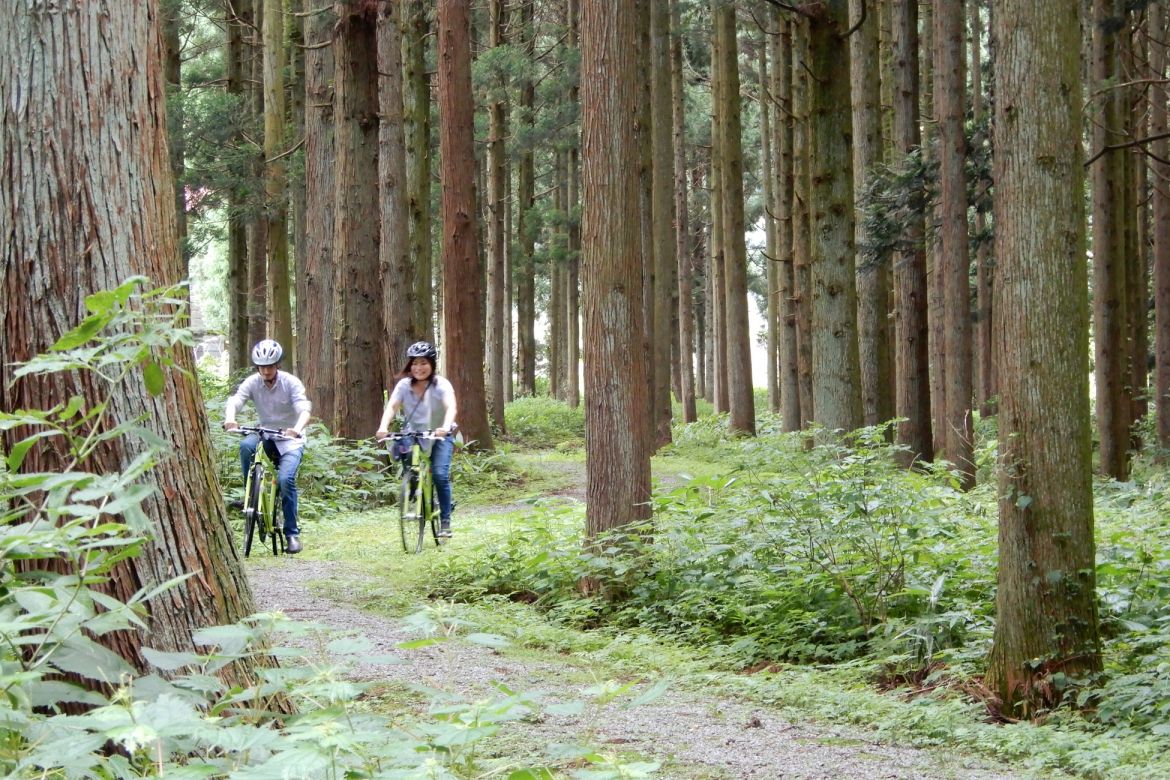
[(545, 423)]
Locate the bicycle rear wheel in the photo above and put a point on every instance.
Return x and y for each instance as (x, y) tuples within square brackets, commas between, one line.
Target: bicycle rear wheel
[(432, 516), (406, 504), (252, 508)]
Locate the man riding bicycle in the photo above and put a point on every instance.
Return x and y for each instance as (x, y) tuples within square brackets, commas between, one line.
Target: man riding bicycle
[(427, 402), (280, 402)]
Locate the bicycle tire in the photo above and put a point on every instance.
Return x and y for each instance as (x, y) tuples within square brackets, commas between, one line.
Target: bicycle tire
[(276, 523), (421, 517), (405, 500), (252, 508), (431, 515)]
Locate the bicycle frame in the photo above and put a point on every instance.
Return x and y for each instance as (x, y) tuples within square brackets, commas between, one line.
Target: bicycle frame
[(260, 494), (417, 492)]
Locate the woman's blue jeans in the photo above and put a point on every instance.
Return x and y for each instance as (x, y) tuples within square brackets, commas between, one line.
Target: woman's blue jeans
[(441, 452), (286, 475)]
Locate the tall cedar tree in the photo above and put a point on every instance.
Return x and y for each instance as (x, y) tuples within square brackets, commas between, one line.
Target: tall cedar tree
[(1046, 598), (912, 388), (1160, 180), (524, 268), (952, 258), (497, 347), (780, 46), (662, 216), (686, 314), (616, 425), (738, 377), (873, 279), (357, 286), (238, 16), (836, 372), (416, 31), (398, 294), (463, 295), (279, 312), (1109, 355), (86, 201), (315, 266)]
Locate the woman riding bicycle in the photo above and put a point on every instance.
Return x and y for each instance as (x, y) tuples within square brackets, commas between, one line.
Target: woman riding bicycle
[(427, 402), (280, 401)]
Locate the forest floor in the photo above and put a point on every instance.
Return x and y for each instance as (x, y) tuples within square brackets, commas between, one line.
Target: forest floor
[(694, 731)]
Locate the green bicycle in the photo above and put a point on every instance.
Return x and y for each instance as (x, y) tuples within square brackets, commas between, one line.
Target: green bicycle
[(417, 507), (262, 494)]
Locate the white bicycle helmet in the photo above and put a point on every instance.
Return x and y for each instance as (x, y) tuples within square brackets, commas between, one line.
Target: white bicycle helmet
[(267, 353)]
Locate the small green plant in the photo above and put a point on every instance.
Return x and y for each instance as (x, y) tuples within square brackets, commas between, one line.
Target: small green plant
[(545, 423)]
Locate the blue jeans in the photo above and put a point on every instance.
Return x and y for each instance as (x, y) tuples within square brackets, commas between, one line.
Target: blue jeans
[(441, 452), (286, 475)]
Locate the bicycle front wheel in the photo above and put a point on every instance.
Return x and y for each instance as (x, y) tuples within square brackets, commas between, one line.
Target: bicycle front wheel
[(406, 502), (252, 508), (275, 521)]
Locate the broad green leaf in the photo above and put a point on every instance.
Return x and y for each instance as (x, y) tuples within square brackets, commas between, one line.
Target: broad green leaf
[(651, 694), (154, 377)]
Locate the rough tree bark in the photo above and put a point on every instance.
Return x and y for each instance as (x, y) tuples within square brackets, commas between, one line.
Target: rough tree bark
[(1046, 602), (416, 27), (662, 215), (462, 302), (616, 425), (280, 325), (315, 303), (686, 280), (87, 200), (497, 349), (1109, 354), (398, 293), (1160, 181), (781, 48), (912, 395), (873, 280), (952, 260), (357, 286), (835, 368), (741, 401), (237, 13), (525, 270)]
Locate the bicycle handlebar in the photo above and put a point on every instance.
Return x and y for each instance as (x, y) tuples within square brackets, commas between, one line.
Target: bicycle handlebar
[(399, 435), (265, 433)]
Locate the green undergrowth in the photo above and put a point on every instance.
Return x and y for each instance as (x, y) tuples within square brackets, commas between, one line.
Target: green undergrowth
[(831, 563)]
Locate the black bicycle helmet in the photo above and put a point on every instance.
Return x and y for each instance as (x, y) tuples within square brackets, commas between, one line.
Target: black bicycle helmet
[(267, 353), (423, 349)]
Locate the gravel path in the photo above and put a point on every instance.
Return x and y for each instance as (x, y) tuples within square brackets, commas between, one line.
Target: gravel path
[(695, 734)]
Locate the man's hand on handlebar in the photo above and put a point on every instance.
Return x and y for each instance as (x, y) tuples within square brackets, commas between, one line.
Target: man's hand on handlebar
[(231, 425), (292, 433)]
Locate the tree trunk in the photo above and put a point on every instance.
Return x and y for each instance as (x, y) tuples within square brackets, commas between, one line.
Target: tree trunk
[(172, 73), (296, 184), (786, 353), (462, 302), (526, 203), (741, 401), (801, 227), (912, 398), (275, 178), (835, 369), (1109, 358), (768, 152), (985, 274), (935, 275), (87, 201), (1046, 599), (258, 319), (873, 280), (416, 29), (686, 277), (357, 284), (663, 216), (1160, 180), (315, 281), (398, 293), (236, 56), (617, 428), (952, 260), (497, 363)]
